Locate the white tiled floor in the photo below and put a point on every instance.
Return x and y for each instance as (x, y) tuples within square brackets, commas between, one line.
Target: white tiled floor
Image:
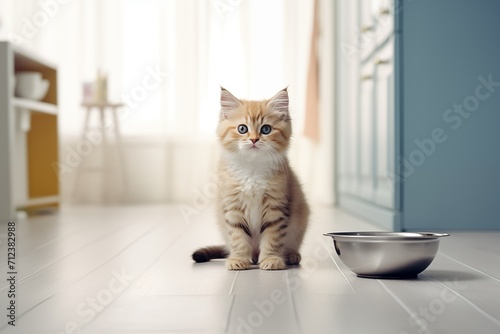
[(128, 270)]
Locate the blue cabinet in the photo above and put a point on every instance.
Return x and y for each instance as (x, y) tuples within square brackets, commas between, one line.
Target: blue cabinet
[(418, 113)]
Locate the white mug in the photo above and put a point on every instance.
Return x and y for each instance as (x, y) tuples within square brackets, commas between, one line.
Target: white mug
[(31, 85)]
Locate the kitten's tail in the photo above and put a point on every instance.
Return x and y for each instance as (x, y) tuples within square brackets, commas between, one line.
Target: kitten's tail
[(209, 253)]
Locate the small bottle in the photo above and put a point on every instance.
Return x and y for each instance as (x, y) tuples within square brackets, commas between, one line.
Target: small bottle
[(101, 88)]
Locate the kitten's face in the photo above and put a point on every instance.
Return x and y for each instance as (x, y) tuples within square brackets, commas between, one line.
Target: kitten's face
[(255, 128)]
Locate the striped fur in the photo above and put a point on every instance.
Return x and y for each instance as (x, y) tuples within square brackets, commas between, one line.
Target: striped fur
[(262, 211)]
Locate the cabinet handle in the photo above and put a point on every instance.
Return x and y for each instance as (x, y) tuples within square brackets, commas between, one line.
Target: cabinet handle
[(381, 61), (366, 28), (366, 77), (384, 11)]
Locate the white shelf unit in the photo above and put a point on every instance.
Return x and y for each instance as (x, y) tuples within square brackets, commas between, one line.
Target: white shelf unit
[(43, 107), (28, 137)]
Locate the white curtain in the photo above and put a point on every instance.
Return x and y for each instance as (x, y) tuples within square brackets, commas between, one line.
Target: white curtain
[(165, 59)]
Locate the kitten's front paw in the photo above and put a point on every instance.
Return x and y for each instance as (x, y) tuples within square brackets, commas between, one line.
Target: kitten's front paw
[(237, 264), (272, 263), (293, 259)]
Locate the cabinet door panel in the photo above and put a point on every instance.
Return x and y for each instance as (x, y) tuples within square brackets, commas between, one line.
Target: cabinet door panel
[(348, 149), (366, 105), (347, 113), (383, 18), (366, 132), (367, 29), (42, 145), (384, 125)]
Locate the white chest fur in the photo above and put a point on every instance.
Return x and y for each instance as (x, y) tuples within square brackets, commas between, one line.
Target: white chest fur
[(253, 192), (253, 180)]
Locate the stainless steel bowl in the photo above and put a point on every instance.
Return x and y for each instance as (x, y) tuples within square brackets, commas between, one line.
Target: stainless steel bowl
[(386, 254)]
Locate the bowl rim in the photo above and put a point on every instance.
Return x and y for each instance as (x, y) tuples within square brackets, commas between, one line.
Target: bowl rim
[(385, 235)]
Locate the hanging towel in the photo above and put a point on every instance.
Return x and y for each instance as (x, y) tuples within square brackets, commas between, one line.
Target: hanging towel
[(311, 124)]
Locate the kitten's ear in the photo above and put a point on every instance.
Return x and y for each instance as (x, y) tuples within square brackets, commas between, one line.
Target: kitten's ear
[(279, 102), (228, 103)]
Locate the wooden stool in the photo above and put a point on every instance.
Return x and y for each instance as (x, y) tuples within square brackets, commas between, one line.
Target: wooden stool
[(104, 127)]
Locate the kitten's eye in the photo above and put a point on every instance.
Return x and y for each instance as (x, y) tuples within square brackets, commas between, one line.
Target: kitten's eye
[(242, 128), (265, 129)]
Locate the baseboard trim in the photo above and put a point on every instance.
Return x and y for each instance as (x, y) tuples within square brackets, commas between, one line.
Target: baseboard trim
[(385, 218)]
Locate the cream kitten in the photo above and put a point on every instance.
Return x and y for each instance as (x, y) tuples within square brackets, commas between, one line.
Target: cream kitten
[(262, 211)]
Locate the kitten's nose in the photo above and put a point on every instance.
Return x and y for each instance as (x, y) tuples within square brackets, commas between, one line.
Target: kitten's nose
[(254, 140)]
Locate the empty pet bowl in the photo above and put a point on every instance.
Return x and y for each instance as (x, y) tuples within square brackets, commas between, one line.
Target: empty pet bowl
[(386, 254)]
